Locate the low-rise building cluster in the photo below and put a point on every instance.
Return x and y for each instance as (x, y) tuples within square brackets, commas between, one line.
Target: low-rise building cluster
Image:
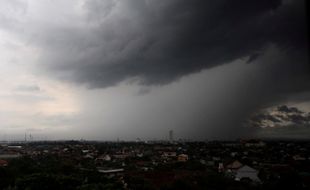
[(252, 161)]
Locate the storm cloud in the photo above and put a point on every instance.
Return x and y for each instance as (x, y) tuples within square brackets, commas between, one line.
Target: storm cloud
[(154, 42)]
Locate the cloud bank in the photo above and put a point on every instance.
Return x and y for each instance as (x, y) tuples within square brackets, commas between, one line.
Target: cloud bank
[(156, 43)]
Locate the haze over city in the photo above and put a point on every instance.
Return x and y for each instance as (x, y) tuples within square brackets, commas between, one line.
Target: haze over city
[(111, 69)]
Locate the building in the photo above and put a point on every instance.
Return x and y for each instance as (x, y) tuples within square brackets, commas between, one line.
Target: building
[(3, 163), (171, 135), (169, 154), (111, 172), (182, 157), (234, 166), (246, 172)]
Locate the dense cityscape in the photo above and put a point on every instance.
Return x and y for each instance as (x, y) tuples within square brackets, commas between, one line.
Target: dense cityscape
[(240, 164)]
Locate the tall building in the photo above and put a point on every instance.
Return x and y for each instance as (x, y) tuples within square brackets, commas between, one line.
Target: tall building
[(171, 135)]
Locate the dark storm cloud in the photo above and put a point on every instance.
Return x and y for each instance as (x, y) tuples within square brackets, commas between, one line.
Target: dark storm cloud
[(158, 42)]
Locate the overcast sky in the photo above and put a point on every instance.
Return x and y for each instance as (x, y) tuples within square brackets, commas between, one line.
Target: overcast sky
[(108, 69)]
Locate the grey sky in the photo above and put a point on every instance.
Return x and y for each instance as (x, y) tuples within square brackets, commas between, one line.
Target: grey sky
[(138, 68)]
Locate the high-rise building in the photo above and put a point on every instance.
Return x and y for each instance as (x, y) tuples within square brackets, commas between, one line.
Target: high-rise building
[(171, 135)]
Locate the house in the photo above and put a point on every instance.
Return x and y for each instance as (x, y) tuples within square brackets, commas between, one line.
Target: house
[(299, 158), (246, 172), (111, 172), (3, 163), (105, 157), (183, 158), (140, 155), (90, 156), (169, 154), (233, 166), (9, 156), (121, 156)]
